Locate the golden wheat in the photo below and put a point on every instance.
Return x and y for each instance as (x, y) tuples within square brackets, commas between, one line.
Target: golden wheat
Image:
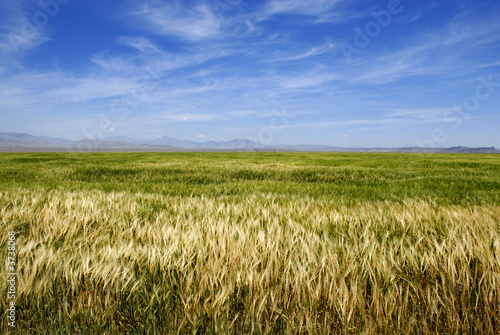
[(261, 265)]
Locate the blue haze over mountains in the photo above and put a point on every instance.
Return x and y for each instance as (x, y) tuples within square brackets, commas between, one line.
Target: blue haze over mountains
[(26, 142)]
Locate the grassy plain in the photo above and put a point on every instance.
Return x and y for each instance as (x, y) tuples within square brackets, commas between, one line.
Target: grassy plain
[(253, 243)]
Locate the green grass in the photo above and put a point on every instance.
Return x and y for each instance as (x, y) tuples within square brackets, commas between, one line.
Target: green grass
[(253, 243), (447, 179)]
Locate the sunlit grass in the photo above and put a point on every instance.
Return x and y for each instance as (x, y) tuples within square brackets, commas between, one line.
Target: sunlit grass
[(242, 243)]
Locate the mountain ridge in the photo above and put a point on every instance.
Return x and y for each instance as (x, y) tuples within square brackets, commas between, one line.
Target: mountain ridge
[(24, 142)]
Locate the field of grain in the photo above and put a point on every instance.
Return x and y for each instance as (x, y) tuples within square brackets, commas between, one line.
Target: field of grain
[(252, 243)]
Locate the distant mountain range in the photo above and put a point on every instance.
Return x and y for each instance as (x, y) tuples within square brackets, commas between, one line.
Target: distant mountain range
[(27, 142)]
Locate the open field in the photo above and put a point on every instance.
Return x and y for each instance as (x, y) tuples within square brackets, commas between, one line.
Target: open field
[(252, 243)]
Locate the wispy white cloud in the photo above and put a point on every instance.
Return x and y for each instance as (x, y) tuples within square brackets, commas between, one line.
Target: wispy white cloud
[(446, 53), (206, 86), (376, 123), (306, 80), (430, 114), (313, 51), (18, 34), (113, 64), (305, 7), (190, 117), (423, 10), (143, 44), (341, 15), (173, 19), (241, 113), (148, 57), (468, 31), (59, 88), (92, 88)]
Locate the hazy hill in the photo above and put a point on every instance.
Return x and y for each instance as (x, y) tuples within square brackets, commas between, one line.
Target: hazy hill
[(21, 139), (25, 142)]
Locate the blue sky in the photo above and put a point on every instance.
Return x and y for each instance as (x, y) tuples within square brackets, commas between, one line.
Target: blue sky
[(344, 73)]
